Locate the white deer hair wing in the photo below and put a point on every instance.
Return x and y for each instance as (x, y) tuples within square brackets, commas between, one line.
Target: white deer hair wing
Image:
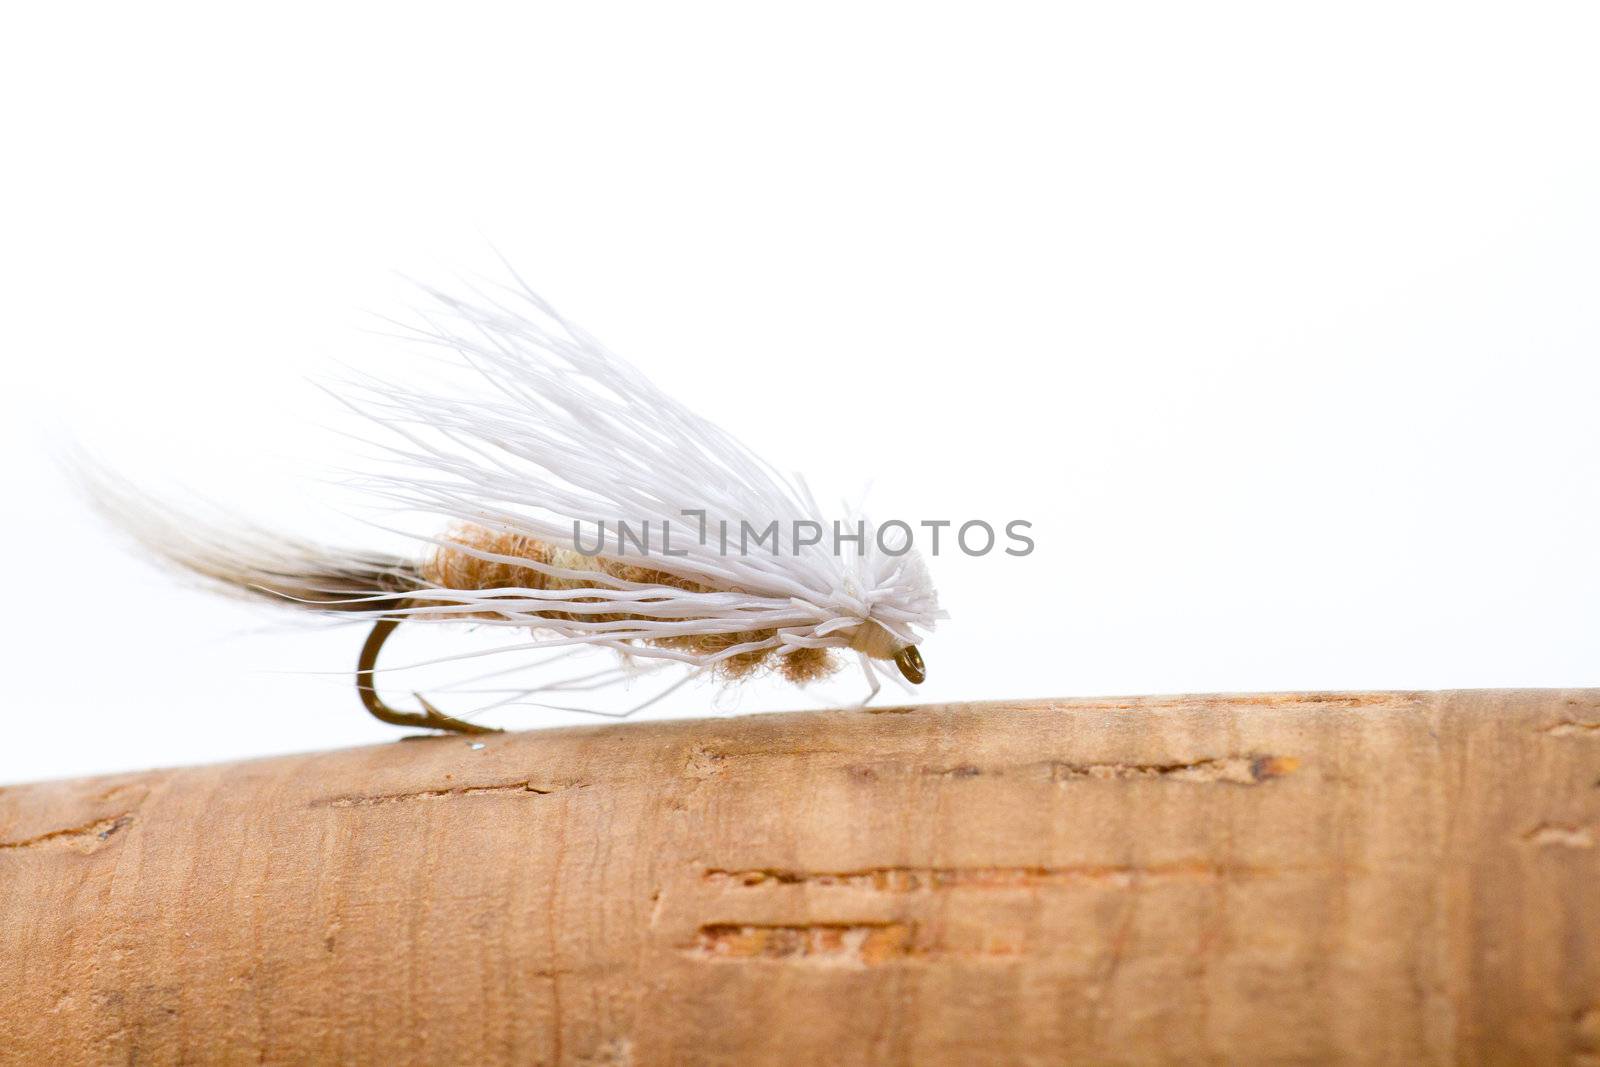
[(570, 436)]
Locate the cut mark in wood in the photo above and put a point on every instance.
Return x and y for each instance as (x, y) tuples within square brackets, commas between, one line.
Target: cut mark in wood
[(702, 763), (1231, 770), (1574, 728), (1248, 769), (1337, 700), (862, 944), (961, 770), (1554, 835), (923, 879), (365, 800), (90, 837), (1269, 700)]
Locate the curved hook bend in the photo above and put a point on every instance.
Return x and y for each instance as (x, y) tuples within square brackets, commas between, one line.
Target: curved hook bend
[(430, 718)]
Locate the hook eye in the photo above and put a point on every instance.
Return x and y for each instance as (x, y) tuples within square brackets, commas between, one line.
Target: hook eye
[(909, 660)]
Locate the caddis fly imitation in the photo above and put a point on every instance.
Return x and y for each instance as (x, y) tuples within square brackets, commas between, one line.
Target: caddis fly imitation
[(569, 434)]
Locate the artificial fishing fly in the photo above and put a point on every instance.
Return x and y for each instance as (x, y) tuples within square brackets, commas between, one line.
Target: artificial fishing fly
[(569, 436)]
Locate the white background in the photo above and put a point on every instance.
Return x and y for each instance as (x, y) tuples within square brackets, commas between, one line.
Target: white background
[(1279, 322)]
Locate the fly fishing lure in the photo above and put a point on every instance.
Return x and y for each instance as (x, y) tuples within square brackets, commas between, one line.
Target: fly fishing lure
[(568, 435)]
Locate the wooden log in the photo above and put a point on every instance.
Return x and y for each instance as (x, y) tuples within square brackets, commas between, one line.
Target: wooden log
[(1370, 877)]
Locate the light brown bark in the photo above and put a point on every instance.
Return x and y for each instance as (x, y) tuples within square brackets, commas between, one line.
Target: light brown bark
[(1383, 877)]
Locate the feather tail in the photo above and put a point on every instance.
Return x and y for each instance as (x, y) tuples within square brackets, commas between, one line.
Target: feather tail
[(245, 560)]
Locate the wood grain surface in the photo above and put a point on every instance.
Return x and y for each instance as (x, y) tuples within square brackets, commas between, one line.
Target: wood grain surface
[(1362, 878)]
